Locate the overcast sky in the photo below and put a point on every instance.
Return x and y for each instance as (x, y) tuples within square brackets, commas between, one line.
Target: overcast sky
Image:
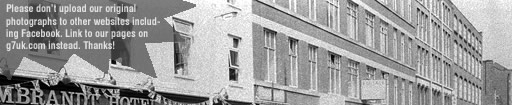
[(494, 19)]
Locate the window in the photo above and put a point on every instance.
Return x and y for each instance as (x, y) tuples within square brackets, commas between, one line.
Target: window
[(409, 12), (401, 8), (395, 50), (455, 52), (352, 20), (383, 37), (370, 71), (369, 29), (402, 47), (353, 71), (332, 14), (335, 73), (410, 92), (394, 6), (455, 85), (403, 91), (293, 61), (313, 66), (270, 50), (396, 91), (312, 9), (385, 76), (409, 51), (461, 87), (181, 49), (233, 59), (293, 5), (232, 2)]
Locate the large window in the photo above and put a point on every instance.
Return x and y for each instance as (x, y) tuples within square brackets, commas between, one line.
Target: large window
[(313, 66), (234, 59), (270, 50), (396, 91), (181, 48), (352, 20), (370, 72), (385, 76), (410, 93), (409, 51), (293, 55), (383, 37), (333, 14), (402, 47), (353, 71), (312, 9), (335, 73), (394, 50), (369, 29)]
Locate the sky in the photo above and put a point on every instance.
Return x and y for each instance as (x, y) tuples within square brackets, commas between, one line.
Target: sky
[(494, 19)]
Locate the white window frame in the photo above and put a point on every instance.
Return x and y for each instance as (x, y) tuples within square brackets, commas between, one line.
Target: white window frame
[(293, 5), (335, 23), (352, 17), (294, 56), (188, 37), (396, 90), (353, 72), (395, 46), (384, 37), (270, 48), (370, 38), (334, 68), (402, 46), (313, 58), (237, 50), (312, 9), (370, 71)]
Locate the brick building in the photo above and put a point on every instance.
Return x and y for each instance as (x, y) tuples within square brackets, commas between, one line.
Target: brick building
[(496, 89), (319, 52)]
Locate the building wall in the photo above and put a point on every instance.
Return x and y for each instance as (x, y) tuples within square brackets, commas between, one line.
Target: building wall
[(496, 90), (290, 23)]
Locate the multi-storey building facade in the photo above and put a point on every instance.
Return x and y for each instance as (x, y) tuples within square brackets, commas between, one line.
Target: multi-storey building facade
[(426, 50), (496, 88)]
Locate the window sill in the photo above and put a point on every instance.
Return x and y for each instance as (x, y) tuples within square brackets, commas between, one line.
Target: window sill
[(38, 54), (183, 77), (354, 100), (236, 85), (122, 67)]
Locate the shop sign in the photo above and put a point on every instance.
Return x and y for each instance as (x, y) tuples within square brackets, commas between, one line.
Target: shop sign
[(373, 89), (23, 95)]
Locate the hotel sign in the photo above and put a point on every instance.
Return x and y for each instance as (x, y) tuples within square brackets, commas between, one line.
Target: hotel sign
[(373, 89), (23, 95)]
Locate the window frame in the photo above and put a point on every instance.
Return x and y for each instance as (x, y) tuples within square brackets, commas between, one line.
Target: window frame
[(313, 60), (270, 48), (352, 24), (334, 67), (333, 7), (353, 72), (369, 29), (236, 49), (293, 57)]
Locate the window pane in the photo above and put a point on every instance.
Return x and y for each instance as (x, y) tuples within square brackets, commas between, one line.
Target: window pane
[(234, 58), (233, 74)]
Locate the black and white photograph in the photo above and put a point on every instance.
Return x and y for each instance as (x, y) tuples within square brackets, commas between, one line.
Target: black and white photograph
[(255, 52)]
